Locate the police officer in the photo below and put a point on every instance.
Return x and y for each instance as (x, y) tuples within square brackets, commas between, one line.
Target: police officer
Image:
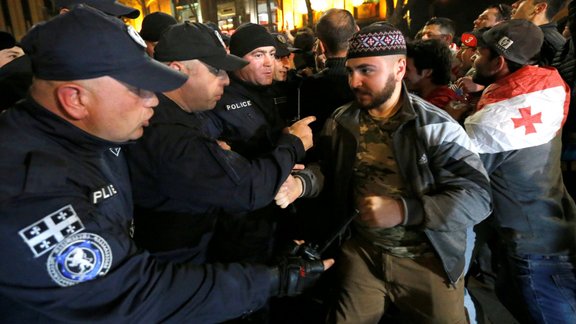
[(65, 202), (247, 119), (181, 177)]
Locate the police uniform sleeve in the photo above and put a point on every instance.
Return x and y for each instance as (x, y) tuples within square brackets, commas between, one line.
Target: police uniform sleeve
[(197, 170), (71, 260)]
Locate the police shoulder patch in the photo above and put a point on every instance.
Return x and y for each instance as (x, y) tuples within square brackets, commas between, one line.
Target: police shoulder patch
[(43, 235), (78, 258)]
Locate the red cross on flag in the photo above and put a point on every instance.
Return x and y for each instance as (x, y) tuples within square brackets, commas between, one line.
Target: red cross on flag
[(525, 109), (527, 120)]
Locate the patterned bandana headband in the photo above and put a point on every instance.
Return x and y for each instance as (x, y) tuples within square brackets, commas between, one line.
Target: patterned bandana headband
[(377, 40)]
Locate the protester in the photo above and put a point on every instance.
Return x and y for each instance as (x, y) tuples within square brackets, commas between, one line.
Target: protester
[(517, 130), (417, 185), (428, 72), (540, 13), (492, 16), (328, 89), (441, 28)]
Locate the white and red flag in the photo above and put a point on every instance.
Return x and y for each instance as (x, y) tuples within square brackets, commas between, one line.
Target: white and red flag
[(525, 109)]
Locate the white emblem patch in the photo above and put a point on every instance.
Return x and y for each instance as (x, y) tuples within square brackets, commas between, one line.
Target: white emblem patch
[(103, 193), (239, 105), (115, 150), (80, 257), (505, 42), (43, 235), (135, 36)]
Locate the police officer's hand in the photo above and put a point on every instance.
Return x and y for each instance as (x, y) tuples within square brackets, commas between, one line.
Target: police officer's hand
[(294, 274), (303, 131)]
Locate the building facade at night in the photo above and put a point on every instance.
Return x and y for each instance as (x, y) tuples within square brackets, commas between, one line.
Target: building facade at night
[(17, 16)]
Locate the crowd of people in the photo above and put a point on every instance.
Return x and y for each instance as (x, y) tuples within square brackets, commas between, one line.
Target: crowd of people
[(340, 174)]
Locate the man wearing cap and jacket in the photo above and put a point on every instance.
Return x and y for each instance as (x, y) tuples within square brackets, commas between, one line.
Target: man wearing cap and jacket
[(182, 179), (517, 128), (412, 178), (65, 200)]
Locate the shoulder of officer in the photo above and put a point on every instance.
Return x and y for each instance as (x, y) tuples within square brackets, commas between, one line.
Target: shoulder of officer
[(37, 172)]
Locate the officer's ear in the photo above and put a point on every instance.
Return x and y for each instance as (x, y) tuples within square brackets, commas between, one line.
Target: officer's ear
[(72, 99), (179, 66)]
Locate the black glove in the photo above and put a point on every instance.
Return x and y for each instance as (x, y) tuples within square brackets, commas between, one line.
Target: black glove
[(293, 274)]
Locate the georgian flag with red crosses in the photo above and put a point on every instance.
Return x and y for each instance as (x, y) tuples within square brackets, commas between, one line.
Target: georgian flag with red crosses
[(525, 109)]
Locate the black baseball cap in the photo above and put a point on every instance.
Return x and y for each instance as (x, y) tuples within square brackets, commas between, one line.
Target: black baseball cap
[(111, 7), (189, 41), (518, 40), (282, 45), (85, 43)]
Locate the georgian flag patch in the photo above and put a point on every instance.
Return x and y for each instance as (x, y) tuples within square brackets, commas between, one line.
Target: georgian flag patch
[(43, 235)]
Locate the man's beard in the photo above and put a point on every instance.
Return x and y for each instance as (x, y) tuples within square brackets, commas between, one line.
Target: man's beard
[(380, 97), (482, 79)]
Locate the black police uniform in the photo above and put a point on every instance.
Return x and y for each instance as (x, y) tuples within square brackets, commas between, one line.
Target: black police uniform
[(66, 251), (182, 179), (248, 120)]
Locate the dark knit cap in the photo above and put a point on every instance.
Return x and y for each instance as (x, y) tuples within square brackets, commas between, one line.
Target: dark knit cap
[(249, 37), (6, 40), (379, 39), (154, 24)]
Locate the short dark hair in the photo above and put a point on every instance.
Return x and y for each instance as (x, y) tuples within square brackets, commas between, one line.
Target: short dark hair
[(431, 54), (304, 39), (335, 28), (553, 8), (446, 24), (504, 11)]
